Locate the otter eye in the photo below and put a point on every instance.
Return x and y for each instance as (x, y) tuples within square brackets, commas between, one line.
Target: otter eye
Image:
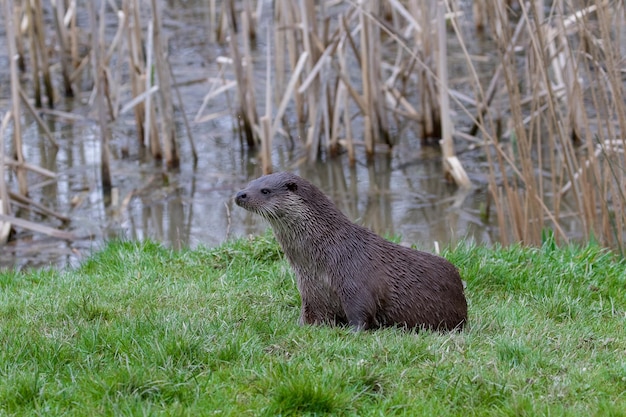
[(265, 191)]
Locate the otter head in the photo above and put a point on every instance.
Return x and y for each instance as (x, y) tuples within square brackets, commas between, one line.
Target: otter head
[(273, 196)]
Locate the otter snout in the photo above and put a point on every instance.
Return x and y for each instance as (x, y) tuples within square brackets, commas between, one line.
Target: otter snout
[(241, 197)]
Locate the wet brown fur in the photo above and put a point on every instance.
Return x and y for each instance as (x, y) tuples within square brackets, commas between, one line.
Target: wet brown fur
[(346, 273)]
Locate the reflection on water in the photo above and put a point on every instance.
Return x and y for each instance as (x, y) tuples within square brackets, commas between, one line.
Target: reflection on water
[(401, 194)]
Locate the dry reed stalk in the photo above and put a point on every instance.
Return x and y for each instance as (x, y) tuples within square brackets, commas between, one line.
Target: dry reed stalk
[(166, 106), (41, 49), (247, 117), (150, 128), (596, 182), (374, 60), (290, 91), (40, 122), (613, 96), (288, 11), (369, 119), (65, 48), (266, 121), (114, 75), (538, 42), (324, 108), (452, 165), (525, 145), (395, 86), (429, 96), (229, 102), (71, 14), (324, 79), (30, 167), (36, 207), (18, 153), (486, 99), (338, 110), (212, 23), (279, 48), (251, 104), (181, 104), (342, 107), (349, 138), (266, 142), (511, 213), (137, 69), (97, 49), (479, 12), (565, 68), (5, 206), (307, 20), (313, 132), (39, 228), (218, 85), (381, 126), (19, 41), (614, 60), (34, 56), (221, 28), (250, 28)]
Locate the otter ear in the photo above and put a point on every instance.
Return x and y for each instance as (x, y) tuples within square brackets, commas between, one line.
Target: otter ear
[(292, 186)]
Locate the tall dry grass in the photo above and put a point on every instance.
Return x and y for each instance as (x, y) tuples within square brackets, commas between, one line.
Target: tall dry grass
[(44, 38), (336, 62), (347, 76), (551, 119), (566, 115)]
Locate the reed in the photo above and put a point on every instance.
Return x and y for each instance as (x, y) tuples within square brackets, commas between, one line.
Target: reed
[(39, 48), (34, 61), (166, 105), (65, 47), (558, 147), (324, 88), (247, 113), (5, 206), (346, 76), (181, 104), (452, 166), (137, 70), (99, 75), (266, 128), (17, 147)]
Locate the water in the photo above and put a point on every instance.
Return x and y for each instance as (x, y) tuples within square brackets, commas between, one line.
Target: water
[(400, 194)]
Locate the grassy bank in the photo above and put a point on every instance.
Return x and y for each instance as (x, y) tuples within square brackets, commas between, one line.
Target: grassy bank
[(141, 330)]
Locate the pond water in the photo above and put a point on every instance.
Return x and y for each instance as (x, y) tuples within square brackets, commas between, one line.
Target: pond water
[(398, 194)]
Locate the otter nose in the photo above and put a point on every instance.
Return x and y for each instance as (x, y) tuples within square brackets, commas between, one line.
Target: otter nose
[(241, 196)]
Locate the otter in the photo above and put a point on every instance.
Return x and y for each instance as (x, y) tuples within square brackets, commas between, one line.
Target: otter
[(347, 274)]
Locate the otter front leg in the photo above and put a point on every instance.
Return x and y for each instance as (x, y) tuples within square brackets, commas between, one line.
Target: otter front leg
[(322, 309), (360, 320), (306, 316), (360, 310), (320, 304), (310, 314)]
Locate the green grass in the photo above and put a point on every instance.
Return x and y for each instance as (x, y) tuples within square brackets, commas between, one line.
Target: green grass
[(141, 330)]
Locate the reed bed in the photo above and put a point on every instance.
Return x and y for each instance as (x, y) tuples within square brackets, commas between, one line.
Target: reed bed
[(348, 76), (566, 108), (558, 87), (90, 61)]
